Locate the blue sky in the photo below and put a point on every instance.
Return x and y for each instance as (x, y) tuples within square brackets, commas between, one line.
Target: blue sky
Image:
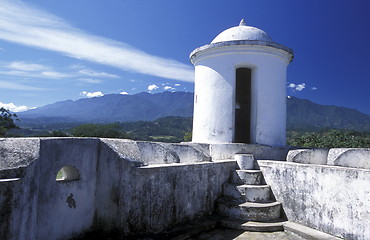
[(57, 50)]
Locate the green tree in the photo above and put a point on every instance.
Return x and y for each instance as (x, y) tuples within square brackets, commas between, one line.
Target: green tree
[(58, 133), (6, 121), (112, 130), (333, 138), (166, 129), (188, 137)]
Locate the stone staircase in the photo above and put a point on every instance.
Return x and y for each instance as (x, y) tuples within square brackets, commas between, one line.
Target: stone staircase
[(247, 202)]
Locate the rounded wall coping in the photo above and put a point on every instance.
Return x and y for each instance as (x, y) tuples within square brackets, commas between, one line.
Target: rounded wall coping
[(308, 156), (196, 52), (340, 157), (349, 157)]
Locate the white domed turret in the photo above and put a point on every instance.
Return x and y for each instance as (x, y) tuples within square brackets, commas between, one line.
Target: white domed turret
[(240, 88)]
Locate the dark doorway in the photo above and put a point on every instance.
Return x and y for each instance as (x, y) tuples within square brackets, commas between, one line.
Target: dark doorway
[(243, 105)]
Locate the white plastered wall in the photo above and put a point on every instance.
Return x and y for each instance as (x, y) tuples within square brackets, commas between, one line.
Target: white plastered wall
[(214, 101)]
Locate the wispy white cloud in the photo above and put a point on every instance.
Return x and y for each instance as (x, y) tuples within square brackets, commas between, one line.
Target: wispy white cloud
[(92, 94), (35, 70), (36, 75), (90, 80), (46, 74), (31, 70), (53, 74), (13, 108), (177, 85), (314, 88), (23, 24), (18, 86), (152, 87), (92, 73), (23, 66), (123, 93), (297, 87)]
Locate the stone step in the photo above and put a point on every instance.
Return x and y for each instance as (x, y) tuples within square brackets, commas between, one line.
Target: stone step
[(251, 211), (250, 177), (253, 226), (249, 193), (245, 161), (304, 232)]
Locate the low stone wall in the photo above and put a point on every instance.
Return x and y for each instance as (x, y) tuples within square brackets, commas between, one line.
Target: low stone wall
[(165, 196), (349, 157), (345, 157), (149, 153), (150, 199), (7, 198), (17, 153), (224, 151), (309, 156), (18, 188), (18, 201), (332, 199), (66, 208), (107, 184)]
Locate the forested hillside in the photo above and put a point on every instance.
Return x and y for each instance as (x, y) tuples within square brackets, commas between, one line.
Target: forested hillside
[(167, 117), (302, 115)]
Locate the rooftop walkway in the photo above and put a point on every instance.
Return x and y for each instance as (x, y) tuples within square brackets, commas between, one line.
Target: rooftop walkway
[(229, 234)]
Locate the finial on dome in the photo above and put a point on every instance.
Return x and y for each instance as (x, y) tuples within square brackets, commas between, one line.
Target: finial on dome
[(242, 23)]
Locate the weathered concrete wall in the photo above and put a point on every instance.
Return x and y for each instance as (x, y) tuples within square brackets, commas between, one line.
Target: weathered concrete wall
[(228, 151), (308, 156), (65, 208), (17, 153), (18, 187), (18, 201), (169, 195), (155, 197), (114, 170), (149, 153), (349, 157), (332, 199), (7, 197), (189, 152), (117, 187), (345, 157)]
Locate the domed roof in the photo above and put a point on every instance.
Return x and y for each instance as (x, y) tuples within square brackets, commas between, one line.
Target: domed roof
[(244, 37), (242, 32)]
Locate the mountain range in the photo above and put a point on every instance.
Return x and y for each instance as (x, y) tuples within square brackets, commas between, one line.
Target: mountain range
[(301, 113), (116, 108)]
